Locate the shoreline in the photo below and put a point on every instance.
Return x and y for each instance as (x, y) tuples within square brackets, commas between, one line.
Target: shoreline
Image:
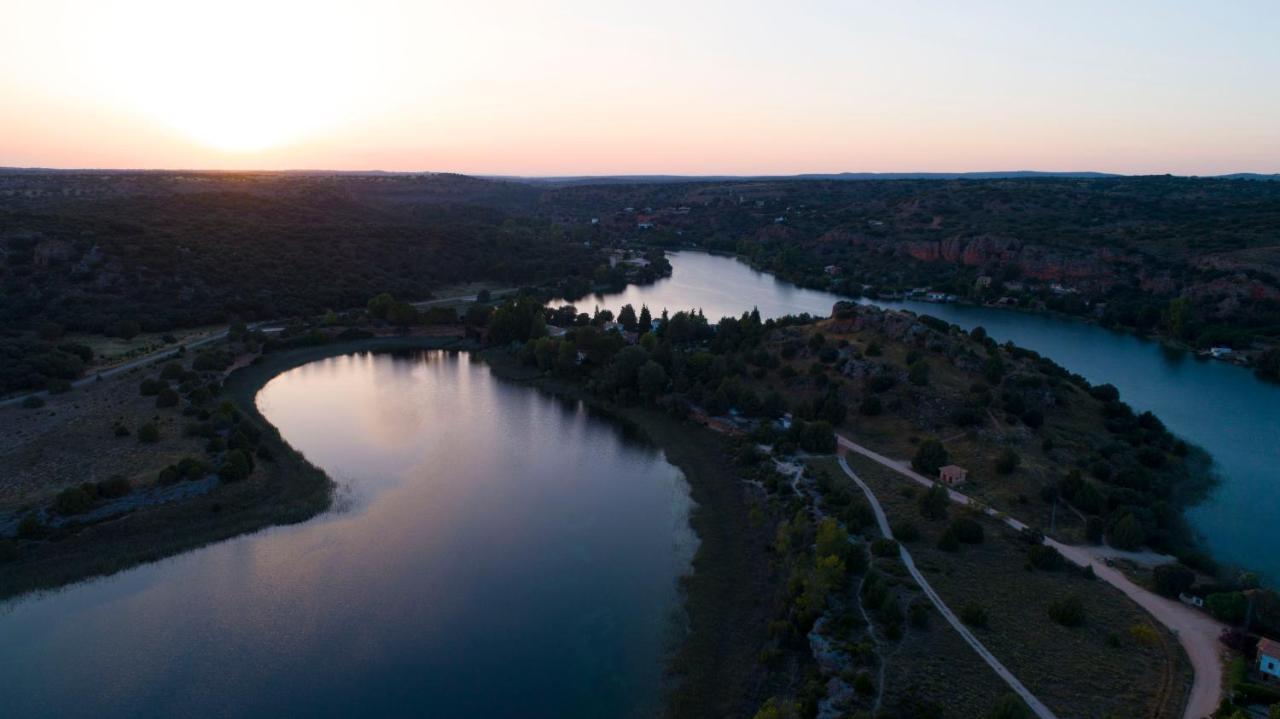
[(710, 666), (285, 491)]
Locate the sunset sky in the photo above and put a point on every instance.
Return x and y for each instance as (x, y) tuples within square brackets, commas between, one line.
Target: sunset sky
[(598, 87)]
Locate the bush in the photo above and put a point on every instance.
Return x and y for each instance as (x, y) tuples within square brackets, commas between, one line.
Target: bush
[(33, 402), (870, 406), (120, 430), (1128, 533), (949, 542), (968, 530), (905, 531), (930, 456), (237, 465), (974, 615), (1172, 579), (151, 387), (169, 475), (884, 547), (167, 397), (934, 502), (1067, 611), (149, 433), (864, 685), (74, 500), (1042, 556), (114, 487), (1007, 462), (29, 527), (8, 550)]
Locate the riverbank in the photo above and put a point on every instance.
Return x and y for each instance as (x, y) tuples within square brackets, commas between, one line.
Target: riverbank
[(735, 589), (287, 490)]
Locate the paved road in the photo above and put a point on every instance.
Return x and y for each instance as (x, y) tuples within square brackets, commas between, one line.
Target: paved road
[(1197, 632), (1021, 690)]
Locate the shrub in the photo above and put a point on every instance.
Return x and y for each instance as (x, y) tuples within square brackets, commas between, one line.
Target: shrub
[(864, 685), (884, 547), (930, 456), (1033, 418), (1042, 556), (934, 502), (1007, 462), (905, 531), (151, 387), (968, 530), (870, 406), (172, 370), (114, 487), (149, 433), (949, 542), (974, 615), (1067, 611), (237, 465), (831, 540), (169, 475), (74, 500), (167, 397), (33, 402), (1128, 533), (1228, 607), (120, 430), (8, 550), (29, 527), (1172, 579)]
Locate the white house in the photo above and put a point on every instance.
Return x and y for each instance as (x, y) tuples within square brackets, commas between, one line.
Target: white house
[(1269, 658), (1220, 352)]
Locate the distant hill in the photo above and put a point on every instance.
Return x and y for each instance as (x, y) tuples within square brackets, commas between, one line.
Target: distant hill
[(850, 176)]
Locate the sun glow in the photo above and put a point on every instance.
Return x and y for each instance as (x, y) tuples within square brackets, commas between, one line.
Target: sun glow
[(239, 76)]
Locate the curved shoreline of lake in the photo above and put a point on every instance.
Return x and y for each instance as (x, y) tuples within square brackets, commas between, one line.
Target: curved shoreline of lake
[(1222, 408), (522, 557)]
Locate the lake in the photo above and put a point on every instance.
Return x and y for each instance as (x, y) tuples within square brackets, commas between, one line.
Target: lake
[(492, 551), (1223, 408)]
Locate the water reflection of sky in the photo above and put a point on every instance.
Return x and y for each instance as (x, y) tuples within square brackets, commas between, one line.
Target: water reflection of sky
[(509, 554)]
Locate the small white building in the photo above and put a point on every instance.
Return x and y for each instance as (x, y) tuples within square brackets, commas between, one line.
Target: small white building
[(1220, 352), (1269, 658)]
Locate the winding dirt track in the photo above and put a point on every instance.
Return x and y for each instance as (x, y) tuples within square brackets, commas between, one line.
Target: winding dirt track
[(1196, 631)]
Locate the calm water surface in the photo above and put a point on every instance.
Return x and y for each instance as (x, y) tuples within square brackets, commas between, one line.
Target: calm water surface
[(1223, 408), (493, 552)]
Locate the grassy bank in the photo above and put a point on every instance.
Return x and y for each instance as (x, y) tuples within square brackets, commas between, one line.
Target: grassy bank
[(285, 491)]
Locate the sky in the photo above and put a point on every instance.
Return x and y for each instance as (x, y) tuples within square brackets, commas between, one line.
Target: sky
[(602, 87)]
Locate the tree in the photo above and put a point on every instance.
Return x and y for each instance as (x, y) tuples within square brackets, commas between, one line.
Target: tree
[(918, 374), (379, 306), (167, 397), (646, 319), (1067, 611), (968, 530), (1007, 462), (831, 539), (237, 465), (149, 433), (1128, 533), (930, 456), (402, 314), (651, 379), (870, 406), (934, 502), (74, 500), (1172, 579), (627, 318)]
